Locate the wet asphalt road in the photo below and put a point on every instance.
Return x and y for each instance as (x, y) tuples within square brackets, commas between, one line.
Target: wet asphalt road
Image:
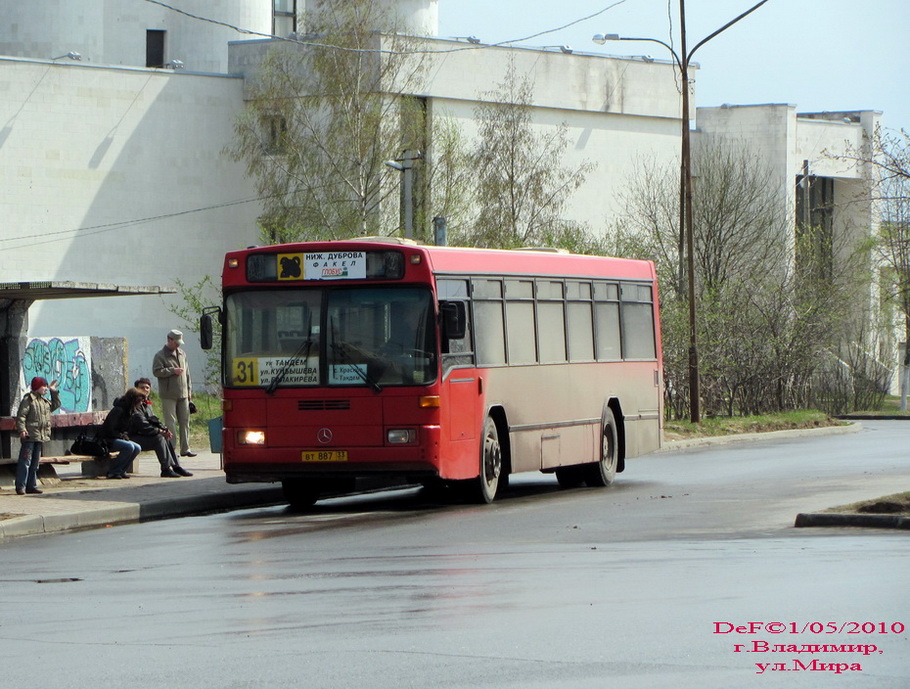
[(629, 586)]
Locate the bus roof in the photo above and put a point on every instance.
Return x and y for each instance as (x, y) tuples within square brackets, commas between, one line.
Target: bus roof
[(444, 260), (535, 262)]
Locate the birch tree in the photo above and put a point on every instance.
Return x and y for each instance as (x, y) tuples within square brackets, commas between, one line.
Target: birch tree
[(323, 115)]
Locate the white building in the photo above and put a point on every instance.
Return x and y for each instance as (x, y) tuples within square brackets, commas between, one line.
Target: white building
[(114, 116), (818, 191)]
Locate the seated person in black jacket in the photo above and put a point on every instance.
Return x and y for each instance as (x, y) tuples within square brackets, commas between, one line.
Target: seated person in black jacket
[(149, 433)]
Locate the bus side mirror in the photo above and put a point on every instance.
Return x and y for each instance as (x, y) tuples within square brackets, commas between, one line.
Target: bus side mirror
[(205, 331), (454, 317), (206, 328)]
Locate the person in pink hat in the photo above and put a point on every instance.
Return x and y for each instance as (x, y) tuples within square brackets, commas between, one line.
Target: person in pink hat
[(33, 423)]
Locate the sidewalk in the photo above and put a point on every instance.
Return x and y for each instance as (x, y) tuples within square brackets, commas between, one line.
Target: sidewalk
[(74, 502)]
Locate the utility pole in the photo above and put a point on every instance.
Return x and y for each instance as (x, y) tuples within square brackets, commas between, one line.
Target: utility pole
[(686, 233)]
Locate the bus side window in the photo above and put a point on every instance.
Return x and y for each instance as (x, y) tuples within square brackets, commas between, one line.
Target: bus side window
[(606, 322), (489, 321), (455, 335), (638, 340), (551, 321), (580, 321), (453, 316), (454, 331)]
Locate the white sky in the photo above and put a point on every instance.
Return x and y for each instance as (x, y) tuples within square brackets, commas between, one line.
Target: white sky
[(815, 54)]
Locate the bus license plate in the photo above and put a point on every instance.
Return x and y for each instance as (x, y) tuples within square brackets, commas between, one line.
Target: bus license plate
[(325, 456)]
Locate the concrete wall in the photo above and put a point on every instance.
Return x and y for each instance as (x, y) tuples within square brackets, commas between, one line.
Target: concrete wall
[(789, 141), (113, 32), (117, 175), (794, 142), (615, 143), (575, 82), (617, 110), (91, 372), (417, 17)]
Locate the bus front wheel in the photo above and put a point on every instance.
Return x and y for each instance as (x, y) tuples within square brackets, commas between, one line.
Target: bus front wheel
[(603, 472), (483, 489)]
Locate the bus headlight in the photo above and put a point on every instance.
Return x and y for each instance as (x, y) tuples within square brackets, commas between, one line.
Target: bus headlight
[(251, 437), (402, 436)]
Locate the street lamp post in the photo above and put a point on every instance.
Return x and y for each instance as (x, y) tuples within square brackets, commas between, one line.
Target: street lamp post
[(405, 165), (685, 182)]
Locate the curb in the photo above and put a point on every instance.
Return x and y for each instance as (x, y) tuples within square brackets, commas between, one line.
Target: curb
[(133, 512), (674, 445), (867, 417), (187, 505), (804, 519), (876, 521)]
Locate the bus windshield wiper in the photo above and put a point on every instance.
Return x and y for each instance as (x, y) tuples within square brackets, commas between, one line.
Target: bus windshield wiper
[(303, 349)]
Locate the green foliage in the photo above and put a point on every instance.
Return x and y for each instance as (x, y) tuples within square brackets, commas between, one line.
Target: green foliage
[(887, 155), (770, 315), (209, 407), (320, 124), (196, 297), (448, 185), (521, 189), (758, 423)]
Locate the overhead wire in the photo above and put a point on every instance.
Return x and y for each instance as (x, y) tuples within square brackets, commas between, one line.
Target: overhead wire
[(480, 46), (110, 227)]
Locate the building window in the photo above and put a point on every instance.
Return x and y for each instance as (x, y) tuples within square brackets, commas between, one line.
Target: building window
[(154, 48), (815, 225), (284, 17), (274, 134)]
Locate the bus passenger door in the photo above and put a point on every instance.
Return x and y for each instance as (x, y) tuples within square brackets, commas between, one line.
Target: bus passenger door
[(461, 417), (462, 392), (462, 397)]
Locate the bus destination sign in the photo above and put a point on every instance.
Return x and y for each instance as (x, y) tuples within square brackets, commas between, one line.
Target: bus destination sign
[(325, 265), (258, 371)]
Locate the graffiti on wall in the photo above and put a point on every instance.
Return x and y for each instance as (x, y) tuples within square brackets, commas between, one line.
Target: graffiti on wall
[(66, 360)]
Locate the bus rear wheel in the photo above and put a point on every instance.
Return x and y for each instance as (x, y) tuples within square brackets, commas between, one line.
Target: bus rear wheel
[(484, 488), (603, 472), (301, 495)]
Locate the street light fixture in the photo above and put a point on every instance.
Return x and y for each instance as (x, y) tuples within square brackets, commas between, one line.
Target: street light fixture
[(683, 60)]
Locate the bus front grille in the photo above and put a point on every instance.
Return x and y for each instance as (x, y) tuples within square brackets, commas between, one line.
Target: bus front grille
[(323, 405)]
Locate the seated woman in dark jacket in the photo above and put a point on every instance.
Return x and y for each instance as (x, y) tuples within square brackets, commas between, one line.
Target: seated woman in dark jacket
[(114, 431), (150, 434)]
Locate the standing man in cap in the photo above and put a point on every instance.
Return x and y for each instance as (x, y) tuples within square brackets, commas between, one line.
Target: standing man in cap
[(175, 389)]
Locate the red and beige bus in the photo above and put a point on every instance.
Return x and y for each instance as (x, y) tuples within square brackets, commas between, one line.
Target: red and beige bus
[(367, 359)]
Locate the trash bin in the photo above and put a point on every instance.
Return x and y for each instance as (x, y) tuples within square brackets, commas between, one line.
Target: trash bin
[(215, 426)]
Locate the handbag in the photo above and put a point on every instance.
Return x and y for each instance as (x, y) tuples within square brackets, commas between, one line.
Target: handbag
[(94, 447), (193, 409)]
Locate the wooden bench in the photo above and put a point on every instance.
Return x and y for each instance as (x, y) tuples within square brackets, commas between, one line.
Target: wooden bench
[(92, 467), (81, 421), (47, 475), (67, 459)]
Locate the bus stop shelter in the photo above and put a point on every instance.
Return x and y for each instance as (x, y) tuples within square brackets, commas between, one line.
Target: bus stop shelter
[(15, 300)]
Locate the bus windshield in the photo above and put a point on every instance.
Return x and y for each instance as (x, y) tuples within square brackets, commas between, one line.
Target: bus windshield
[(345, 336)]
